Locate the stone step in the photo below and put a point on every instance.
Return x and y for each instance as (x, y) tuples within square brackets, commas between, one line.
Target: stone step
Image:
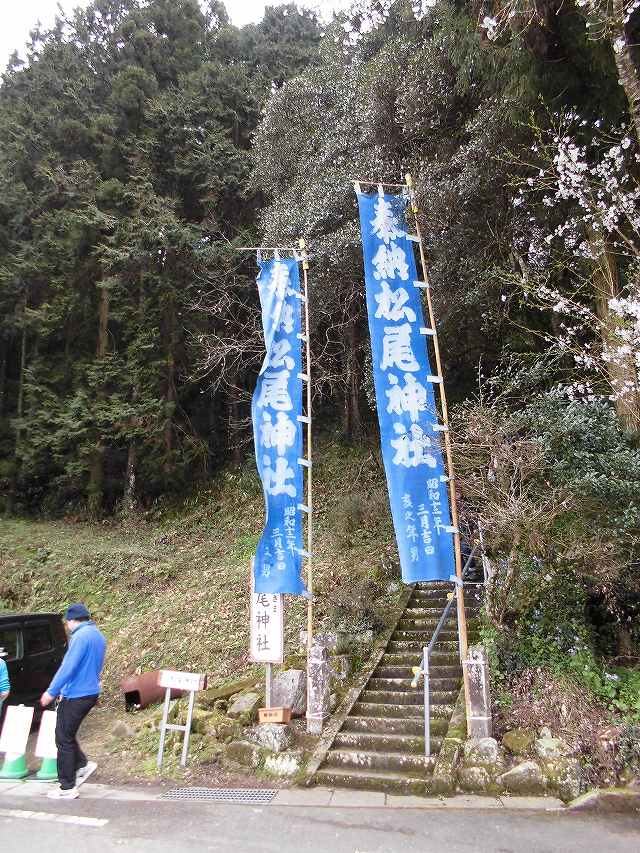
[(410, 658), (415, 712), (428, 625), (418, 612), (416, 647), (412, 726), (437, 671), (421, 635), (404, 684), (430, 601), (360, 759), (384, 742), (405, 697), (435, 590), (366, 780)]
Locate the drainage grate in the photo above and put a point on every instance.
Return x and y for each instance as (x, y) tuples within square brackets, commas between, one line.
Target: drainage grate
[(253, 796)]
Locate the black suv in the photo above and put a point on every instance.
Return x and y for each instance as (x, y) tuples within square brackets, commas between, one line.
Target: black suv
[(35, 644)]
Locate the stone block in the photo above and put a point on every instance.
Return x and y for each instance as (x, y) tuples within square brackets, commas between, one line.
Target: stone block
[(519, 741), (202, 720), (224, 729), (335, 642), (208, 698), (474, 779), (477, 669), (289, 690), (284, 763), (609, 800), (245, 705), (319, 691), (272, 736), (244, 753), (484, 752), (524, 778), (564, 777), (443, 779), (548, 747)]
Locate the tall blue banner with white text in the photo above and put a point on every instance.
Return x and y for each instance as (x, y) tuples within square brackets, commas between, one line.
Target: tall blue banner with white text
[(277, 431), (409, 427)]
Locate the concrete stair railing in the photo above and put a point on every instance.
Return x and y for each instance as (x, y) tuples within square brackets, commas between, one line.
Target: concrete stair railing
[(380, 745)]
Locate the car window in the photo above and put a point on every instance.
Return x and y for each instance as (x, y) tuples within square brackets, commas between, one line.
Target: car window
[(9, 641), (37, 638)]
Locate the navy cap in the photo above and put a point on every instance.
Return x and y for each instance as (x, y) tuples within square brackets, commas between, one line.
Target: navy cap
[(76, 611)]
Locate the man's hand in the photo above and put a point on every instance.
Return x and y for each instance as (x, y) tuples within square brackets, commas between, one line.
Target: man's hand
[(46, 699)]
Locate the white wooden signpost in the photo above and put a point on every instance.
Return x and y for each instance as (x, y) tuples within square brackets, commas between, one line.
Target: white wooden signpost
[(174, 680), (266, 632)]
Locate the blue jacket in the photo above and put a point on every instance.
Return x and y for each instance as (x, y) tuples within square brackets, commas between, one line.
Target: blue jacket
[(79, 672), (4, 677)]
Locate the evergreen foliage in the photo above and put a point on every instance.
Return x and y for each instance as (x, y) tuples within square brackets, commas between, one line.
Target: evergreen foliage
[(144, 140), (124, 182)]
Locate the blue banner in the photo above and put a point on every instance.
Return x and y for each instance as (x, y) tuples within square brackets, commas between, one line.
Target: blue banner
[(277, 431), (409, 427)]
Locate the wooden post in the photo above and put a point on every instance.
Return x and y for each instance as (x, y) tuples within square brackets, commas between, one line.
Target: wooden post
[(268, 671), (444, 411), (307, 371)]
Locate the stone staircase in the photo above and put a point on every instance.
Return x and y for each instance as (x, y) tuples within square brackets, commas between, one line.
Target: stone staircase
[(380, 745)]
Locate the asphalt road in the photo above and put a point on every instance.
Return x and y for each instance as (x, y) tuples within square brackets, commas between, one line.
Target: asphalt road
[(167, 827)]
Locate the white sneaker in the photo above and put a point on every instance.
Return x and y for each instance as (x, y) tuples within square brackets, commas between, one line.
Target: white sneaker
[(60, 794), (84, 772)]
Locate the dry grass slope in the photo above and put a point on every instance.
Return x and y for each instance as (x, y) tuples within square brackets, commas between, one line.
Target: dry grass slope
[(171, 589)]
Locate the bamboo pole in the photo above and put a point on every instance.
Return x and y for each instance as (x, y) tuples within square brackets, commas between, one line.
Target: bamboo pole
[(307, 336), (462, 620)]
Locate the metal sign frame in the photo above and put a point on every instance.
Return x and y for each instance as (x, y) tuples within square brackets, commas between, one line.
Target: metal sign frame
[(174, 680)]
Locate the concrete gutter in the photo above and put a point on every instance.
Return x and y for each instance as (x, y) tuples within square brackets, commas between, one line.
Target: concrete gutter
[(316, 797)]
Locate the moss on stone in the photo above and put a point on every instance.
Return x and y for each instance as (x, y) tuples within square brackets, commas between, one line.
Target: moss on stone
[(519, 741), (564, 777)]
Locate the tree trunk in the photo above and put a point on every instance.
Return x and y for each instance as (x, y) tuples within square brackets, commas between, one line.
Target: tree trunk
[(17, 459), (129, 497), (23, 365), (622, 370), (352, 414), (171, 392), (130, 479), (3, 372), (96, 462), (627, 71)]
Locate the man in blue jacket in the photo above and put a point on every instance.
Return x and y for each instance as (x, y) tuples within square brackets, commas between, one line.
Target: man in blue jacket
[(77, 683)]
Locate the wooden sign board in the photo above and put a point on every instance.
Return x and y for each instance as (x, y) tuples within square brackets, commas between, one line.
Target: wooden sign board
[(274, 715), (16, 728), (267, 626), (46, 743), (187, 681)]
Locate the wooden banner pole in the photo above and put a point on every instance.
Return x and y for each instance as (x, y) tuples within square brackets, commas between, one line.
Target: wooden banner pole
[(462, 620), (307, 371)]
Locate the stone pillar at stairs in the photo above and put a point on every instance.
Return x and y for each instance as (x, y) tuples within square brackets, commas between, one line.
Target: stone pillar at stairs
[(318, 688), (477, 666)]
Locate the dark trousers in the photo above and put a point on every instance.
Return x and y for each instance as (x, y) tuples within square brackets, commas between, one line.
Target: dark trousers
[(71, 713)]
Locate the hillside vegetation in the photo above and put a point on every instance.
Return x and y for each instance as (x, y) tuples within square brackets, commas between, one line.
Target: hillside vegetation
[(173, 590), (144, 142)]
